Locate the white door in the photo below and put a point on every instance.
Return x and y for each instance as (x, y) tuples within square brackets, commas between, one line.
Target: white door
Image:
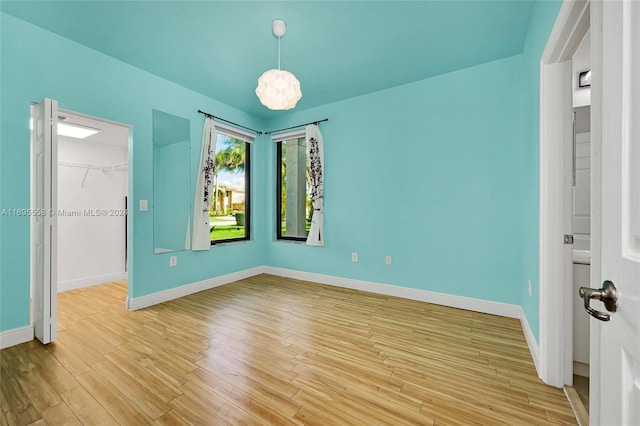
[(44, 166), (615, 352)]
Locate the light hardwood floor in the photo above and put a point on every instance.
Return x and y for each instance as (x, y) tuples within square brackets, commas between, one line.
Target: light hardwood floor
[(270, 350)]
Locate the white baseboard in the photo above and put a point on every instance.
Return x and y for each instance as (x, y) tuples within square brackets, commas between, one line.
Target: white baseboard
[(25, 334), (461, 302), (580, 369), (16, 336), (185, 290), (530, 338), (91, 281)]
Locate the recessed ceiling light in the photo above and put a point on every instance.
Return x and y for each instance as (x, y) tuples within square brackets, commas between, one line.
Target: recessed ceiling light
[(71, 130), (75, 131)]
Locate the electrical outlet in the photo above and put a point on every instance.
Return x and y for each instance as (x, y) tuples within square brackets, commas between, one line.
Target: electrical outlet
[(529, 287), (387, 260), (354, 256), (173, 261)]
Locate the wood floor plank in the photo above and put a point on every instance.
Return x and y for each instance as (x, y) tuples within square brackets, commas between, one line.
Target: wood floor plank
[(60, 414), (172, 418), (51, 369), (86, 408), (21, 416), (13, 398), (314, 410), (268, 350), (162, 388), (231, 415), (225, 365), (77, 344), (112, 400), (36, 388), (198, 403), (250, 396), (138, 395), (159, 362), (191, 412)]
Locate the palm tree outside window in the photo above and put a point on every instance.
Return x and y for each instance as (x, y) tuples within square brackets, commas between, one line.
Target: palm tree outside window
[(229, 210)]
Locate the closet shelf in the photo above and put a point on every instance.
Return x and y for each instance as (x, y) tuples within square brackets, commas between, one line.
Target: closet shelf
[(118, 166)]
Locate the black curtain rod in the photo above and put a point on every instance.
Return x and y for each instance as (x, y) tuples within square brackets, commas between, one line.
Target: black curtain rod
[(295, 127), (230, 122)]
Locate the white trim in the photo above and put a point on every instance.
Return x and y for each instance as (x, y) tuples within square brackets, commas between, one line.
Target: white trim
[(91, 281), (187, 289), (568, 31), (295, 134), (93, 117), (580, 369), (570, 27), (555, 256), (234, 132), (461, 302), (531, 339), (596, 203), (16, 336)]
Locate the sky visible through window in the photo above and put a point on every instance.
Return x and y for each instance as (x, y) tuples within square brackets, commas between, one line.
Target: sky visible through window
[(225, 178)]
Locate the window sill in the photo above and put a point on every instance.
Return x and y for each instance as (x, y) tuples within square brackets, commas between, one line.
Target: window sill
[(230, 243), (290, 241)]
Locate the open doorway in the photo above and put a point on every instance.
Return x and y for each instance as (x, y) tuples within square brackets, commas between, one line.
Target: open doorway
[(567, 205), (581, 220), (86, 183), (92, 203)]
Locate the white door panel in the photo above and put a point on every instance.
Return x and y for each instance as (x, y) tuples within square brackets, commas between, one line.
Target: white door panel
[(617, 349), (43, 218)]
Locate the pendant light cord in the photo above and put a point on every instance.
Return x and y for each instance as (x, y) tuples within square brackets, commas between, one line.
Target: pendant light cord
[(279, 52)]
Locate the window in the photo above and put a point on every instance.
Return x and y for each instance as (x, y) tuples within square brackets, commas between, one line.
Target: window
[(294, 208), (229, 212)]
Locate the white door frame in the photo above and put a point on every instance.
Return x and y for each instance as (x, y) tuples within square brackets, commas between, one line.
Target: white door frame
[(43, 235), (51, 296), (556, 123), (596, 201)]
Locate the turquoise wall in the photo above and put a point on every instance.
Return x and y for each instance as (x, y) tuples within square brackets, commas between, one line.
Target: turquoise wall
[(428, 173), (38, 64), (542, 20), (440, 174), (171, 203)]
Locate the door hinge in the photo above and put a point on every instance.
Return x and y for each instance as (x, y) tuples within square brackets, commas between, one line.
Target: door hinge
[(568, 239)]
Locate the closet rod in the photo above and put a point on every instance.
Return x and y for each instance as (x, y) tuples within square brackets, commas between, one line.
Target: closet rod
[(116, 167), (230, 122), (93, 166), (295, 127), (80, 165)]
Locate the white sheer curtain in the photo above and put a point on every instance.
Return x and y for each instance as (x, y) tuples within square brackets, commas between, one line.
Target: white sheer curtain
[(201, 231), (315, 153)]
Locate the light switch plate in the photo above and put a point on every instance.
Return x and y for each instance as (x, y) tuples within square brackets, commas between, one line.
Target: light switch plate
[(144, 205)]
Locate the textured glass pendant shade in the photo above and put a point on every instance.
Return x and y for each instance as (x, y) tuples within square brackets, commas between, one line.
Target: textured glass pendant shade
[(278, 90)]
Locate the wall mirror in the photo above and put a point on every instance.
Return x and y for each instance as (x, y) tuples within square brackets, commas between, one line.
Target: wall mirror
[(171, 182)]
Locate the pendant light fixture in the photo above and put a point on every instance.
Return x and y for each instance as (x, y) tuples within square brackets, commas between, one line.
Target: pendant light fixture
[(278, 89)]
